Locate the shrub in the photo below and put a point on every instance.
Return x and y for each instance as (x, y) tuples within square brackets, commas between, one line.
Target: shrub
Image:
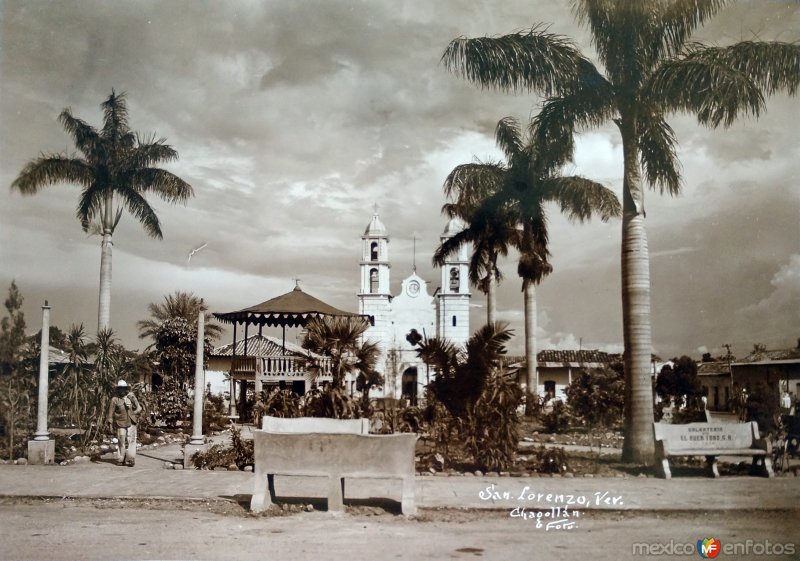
[(556, 420), (597, 398), (549, 460), (239, 453), (493, 424)]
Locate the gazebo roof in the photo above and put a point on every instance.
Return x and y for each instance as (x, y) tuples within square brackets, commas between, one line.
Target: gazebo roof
[(292, 309)]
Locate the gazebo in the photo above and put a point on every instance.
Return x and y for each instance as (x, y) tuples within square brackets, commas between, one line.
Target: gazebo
[(293, 309)]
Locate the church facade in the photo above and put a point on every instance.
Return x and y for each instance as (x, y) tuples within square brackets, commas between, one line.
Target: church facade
[(442, 312)]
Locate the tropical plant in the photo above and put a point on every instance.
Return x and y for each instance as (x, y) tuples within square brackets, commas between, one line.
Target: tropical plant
[(68, 392), (469, 399), (341, 339), (116, 163), (651, 69), (175, 350), (493, 435), (596, 398), (180, 304)]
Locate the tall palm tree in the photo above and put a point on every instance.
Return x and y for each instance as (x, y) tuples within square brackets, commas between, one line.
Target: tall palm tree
[(116, 164), (468, 185), (651, 69), (518, 193), (180, 304)]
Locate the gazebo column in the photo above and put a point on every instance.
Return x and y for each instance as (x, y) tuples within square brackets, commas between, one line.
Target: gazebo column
[(232, 402), (259, 372)]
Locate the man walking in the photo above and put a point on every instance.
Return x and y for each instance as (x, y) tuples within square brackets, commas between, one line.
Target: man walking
[(123, 414)]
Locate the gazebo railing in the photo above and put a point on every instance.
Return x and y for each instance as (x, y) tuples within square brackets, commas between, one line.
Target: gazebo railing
[(288, 366)]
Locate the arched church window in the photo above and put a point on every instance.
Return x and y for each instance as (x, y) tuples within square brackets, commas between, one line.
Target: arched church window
[(454, 321), (373, 251), (373, 281), (454, 279)]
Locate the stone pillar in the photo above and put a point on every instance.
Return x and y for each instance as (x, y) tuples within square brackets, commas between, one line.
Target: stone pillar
[(197, 442), (232, 405), (41, 450)]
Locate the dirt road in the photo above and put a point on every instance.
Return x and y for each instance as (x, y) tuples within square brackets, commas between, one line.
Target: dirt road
[(95, 530)]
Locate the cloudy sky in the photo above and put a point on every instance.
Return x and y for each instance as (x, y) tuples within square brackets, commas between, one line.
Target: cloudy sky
[(293, 118)]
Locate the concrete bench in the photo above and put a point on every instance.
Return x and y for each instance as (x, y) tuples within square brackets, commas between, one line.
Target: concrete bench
[(336, 449), (315, 424), (712, 440)]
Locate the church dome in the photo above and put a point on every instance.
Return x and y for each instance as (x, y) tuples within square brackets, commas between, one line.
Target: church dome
[(454, 226), (375, 227)]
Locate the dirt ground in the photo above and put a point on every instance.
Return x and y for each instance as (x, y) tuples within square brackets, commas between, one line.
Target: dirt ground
[(222, 529)]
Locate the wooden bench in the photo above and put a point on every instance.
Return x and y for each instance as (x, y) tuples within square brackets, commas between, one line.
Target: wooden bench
[(345, 450), (712, 440)]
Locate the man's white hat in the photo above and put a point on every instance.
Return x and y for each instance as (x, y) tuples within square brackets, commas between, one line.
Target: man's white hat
[(122, 384)]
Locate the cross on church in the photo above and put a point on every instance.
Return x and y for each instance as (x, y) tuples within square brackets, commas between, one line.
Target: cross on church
[(414, 254)]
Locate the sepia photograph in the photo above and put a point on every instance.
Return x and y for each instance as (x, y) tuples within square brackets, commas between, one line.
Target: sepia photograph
[(382, 280)]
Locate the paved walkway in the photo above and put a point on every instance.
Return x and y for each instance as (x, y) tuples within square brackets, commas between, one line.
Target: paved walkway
[(149, 479)]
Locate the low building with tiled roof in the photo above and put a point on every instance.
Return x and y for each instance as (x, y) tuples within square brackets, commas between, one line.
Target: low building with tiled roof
[(557, 367), (779, 369)]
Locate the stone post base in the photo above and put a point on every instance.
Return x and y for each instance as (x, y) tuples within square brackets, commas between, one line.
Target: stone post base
[(190, 450), (41, 452)]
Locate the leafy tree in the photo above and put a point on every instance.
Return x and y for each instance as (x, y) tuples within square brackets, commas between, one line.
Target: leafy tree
[(597, 397), (116, 164), (17, 383), (679, 384), (652, 68), (175, 350)]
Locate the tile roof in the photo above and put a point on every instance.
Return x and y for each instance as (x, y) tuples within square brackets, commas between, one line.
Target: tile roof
[(713, 368), (261, 346), (556, 357), (769, 356)]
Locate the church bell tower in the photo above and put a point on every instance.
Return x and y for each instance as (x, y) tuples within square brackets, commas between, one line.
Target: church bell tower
[(454, 295)]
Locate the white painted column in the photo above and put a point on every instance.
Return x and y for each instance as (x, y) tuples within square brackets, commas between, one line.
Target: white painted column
[(199, 383), (44, 381)]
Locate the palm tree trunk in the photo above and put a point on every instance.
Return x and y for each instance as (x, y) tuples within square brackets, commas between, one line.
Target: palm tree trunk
[(639, 446), (531, 375), (491, 300), (104, 306)]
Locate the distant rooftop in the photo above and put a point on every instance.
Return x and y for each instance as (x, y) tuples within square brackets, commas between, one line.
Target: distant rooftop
[(261, 346)]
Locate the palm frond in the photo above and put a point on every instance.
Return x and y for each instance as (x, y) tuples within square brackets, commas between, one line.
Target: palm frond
[(680, 18), (508, 136), (166, 185), (138, 206), (86, 138), (590, 103), (149, 152), (773, 66), (658, 153), (624, 34), (49, 170), (90, 205), (531, 60), (468, 184), (705, 83), (115, 117), (580, 198)]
